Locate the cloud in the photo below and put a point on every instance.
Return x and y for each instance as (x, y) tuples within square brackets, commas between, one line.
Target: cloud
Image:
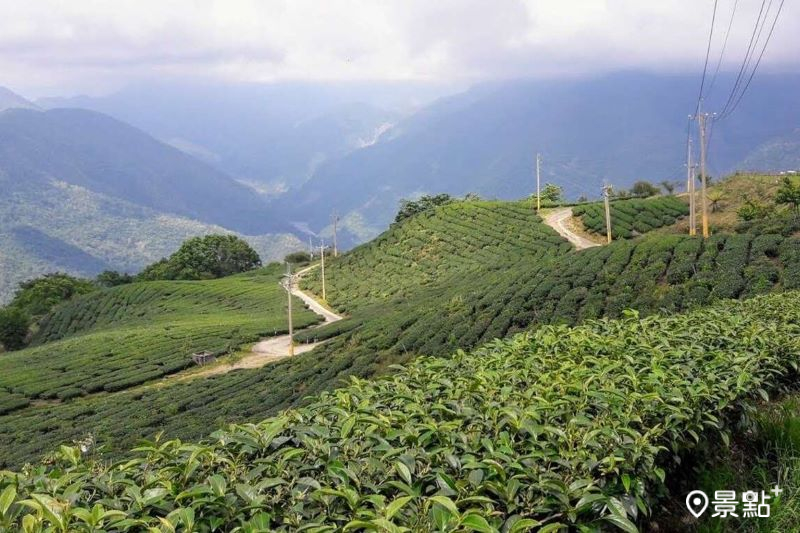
[(92, 45)]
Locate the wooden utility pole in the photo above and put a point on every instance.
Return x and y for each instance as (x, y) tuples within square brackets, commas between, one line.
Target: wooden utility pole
[(702, 120), (538, 183), (690, 179), (322, 261), (335, 223), (289, 293), (606, 195)]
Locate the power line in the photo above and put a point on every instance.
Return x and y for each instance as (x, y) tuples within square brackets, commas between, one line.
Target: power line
[(758, 62), (708, 53), (724, 47), (745, 61)]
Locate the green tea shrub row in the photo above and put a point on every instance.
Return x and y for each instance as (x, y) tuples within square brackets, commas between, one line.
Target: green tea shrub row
[(118, 338), (559, 429), (632, 217)]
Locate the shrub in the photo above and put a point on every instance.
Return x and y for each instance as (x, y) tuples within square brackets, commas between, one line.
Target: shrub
[(14, 325)]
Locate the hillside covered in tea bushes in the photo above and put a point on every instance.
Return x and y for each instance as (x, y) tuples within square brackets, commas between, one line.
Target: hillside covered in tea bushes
[(121, 337), (632, 217), (509, 437), (452, 278)]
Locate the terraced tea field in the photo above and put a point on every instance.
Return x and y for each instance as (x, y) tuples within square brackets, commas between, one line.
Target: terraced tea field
[(562, 429), (428, 250), (630, 218), (122, 337)]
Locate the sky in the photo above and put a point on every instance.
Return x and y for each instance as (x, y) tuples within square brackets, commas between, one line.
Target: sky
[(61, 47)]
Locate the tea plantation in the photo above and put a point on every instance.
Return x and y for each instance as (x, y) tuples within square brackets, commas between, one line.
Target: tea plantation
[(132, 334), (558, 429), (632, 217), (481, 297)]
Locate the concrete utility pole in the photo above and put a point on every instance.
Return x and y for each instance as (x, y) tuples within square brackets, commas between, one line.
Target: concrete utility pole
[(690, 178), (310, 249), (335, 223), (288, 279), (538, 190), (606, 195), (322, 260), (702, 121)]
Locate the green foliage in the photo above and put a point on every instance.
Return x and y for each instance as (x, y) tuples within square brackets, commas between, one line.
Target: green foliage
[(409, 208), (644, 189), (209, 257), (112, 278), (38, 296), (752, 210), (14, 324), (118, 338), (788, 193), (630, 218), (552, 193), (562, 428), (298, 258)]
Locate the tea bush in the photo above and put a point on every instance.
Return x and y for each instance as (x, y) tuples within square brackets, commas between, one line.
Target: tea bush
[(632, 217), (558, 429)]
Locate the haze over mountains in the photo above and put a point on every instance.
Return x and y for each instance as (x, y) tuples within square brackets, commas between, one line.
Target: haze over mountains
[(83, 192), (279, 159)]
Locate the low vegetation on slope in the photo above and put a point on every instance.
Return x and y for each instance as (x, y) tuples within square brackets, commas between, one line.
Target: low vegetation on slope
[(508, 437), (500, 294), (433, 247), (633, 217), (117, 338)]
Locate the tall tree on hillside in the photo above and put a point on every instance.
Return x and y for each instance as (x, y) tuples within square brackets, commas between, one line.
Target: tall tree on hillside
[(669, 186), (14, 325), (209, 257), (788, 193), (643, 189), (552, 193)]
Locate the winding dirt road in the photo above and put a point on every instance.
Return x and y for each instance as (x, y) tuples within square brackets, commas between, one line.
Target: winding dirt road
[(273, 348), (560, 220)]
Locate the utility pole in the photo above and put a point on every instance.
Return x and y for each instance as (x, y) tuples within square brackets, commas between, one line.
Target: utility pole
[(322, 260), (606, 194), (690, 178), (310, 248), (538, 190), (702, 121), (288, 286), (335, 223)]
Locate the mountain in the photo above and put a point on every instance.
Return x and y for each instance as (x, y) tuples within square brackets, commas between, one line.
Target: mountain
[(11, 100), (82, 192), (620, 128), (107, 156), (272, 136)]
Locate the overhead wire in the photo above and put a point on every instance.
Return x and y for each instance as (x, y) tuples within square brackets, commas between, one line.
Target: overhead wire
[(758, 62)]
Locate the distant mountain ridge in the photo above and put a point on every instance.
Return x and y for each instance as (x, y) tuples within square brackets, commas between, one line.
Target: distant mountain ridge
[(621, 128), (11, 100)]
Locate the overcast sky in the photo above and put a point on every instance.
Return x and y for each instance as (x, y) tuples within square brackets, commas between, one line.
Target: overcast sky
[(63, 47)]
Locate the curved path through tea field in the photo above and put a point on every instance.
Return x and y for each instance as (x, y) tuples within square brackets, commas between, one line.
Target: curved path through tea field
[(561, 220), (273, 348)]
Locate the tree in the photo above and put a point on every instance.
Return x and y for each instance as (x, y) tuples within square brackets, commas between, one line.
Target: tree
[(788, 193), (715, 197), (14, 325), (669, 186), (298, 258), (112, 278), (643, 189), (209, 257), (752, 210), (552, 193), (409, 208), (38, 296)]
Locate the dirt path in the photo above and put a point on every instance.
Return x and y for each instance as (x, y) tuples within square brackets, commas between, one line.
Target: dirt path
[(561, 221), (271, 349)]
